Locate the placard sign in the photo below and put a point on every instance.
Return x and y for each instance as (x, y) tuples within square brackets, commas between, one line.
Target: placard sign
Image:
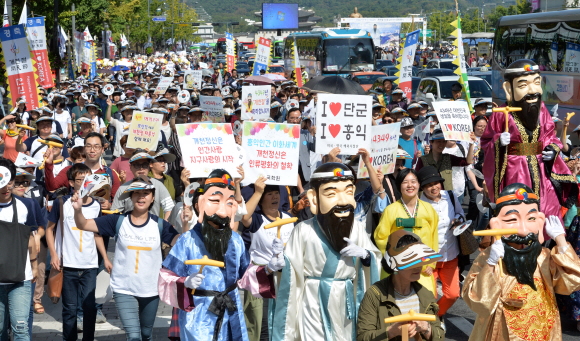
[(383, 152), (192, 79), (163, 85), (343, 121), (256, 102), (272, 151), (213, 109), (454, 119), (209, 146), (144, 130)]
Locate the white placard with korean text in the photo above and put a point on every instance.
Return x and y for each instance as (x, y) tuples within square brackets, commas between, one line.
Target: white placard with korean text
[(272, 150), (383, 152), (213, 109), (454, 119), (256, 102), (209, 146), (343, 121), (163, 85), (192, 79), (144, 130)]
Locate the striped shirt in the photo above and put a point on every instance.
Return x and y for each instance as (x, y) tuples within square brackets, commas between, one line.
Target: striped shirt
[(406, 303)]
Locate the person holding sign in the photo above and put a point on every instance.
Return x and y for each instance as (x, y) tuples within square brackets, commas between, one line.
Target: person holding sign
[(511, 285), (404, 258), (409, 143), (216, 288), (328, 253), (121, 126), (521, 146)]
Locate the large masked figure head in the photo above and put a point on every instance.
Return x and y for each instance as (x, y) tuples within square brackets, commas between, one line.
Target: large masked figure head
[(519, 208), (332, 201), (217, 208), (523, 89)]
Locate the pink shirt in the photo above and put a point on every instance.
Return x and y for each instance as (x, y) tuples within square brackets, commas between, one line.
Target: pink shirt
[(122, 163)]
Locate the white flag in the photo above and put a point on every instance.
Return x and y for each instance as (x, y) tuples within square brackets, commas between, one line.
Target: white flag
[(5, 21), (87, 35), (23, 16), (124, 41), (62, 39)]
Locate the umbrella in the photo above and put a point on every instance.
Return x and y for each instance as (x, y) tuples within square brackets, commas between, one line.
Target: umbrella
[(119, 68), (334, 85), (259, 80), (105, 71), (275, 77)]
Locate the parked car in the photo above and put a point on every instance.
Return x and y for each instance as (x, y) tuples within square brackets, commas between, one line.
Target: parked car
[(441, 63), (379, 84), (242, 68), (383, 62), (366, 79), (276, 69), (392, 70), (423, 73), (435, 89)]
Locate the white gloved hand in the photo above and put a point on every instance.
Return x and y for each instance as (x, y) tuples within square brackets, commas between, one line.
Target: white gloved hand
[(554, 227), (276, 263), (277, 246), (548, 155), (505, 138), (497, 252), (353, 250), (193, 281)]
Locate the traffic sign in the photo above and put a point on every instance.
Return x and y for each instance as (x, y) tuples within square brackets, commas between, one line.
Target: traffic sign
[(159, 18), (184, 25)]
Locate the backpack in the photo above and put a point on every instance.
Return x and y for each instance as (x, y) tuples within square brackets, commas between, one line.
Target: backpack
[(165, 248)]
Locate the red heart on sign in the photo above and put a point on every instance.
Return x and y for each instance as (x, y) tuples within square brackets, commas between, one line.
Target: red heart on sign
[(335, 108), (371, 160), (449, 127), (334, 129)]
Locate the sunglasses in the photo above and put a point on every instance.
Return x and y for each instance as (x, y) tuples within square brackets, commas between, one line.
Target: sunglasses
[(141, 165), (24, 183), (10, 121)]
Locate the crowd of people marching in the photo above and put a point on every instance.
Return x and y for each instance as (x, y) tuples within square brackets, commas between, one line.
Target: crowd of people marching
[(138, 204)]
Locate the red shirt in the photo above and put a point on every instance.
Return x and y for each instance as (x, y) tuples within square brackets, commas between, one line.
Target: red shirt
[(61, 180)]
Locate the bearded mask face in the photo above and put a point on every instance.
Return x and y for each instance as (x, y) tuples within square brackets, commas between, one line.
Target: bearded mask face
[(333, 204), (526, 92)]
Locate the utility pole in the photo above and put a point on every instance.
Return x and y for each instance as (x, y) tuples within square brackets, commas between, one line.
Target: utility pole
[(9, 9), (172, 39), (148, 23)]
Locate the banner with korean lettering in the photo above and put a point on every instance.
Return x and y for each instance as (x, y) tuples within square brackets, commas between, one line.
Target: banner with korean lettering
[(454, 119), (406, 67), (343, 121), (213, 109), (144, 130), (256, 102), (163, 85), (192, 79), (19, 66), (209, 146), (87, 55), (230, 52), (78, 49), (383, 152), (262, 56), (572, 59), (272, 150), (36, 33)]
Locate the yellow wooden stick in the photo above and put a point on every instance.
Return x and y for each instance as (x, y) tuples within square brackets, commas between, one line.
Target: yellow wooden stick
[(203, 262), (506, 111), (410, 316), (109, 212), (53, 162), (568, 116), (281, 222), (24, 126), (50, 143), (497, 233)]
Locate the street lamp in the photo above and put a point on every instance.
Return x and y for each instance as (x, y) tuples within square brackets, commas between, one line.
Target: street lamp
[(483, 8), (477, 16)]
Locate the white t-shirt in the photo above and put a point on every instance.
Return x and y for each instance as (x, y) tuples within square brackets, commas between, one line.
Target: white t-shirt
[(119, 132), (99, 123), (64, 120), (27, 216), (137, 253), (80, 250), (261, 246)]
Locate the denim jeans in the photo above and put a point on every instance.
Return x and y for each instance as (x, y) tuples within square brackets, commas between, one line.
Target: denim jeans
[(15, 300), (137, 315), (77, 281)]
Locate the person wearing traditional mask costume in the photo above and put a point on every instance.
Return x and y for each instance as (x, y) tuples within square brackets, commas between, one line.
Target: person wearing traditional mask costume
[(518, 303), (215, 311), (528, 151), (328, 259)]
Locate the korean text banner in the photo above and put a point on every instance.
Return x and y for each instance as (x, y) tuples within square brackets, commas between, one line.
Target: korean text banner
[(144, 130), (209, 146), (454, 119), (406, 71), (163, 85), (262, 56), (230, 52), (256, 102), (37, 40), (192, 79), (343, 121), (18, 63), (213, 109), (271, 151), (382, 33), (383, 152)]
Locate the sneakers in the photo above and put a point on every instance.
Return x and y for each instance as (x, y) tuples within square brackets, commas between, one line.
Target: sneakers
[(100, 317), (79, 324)]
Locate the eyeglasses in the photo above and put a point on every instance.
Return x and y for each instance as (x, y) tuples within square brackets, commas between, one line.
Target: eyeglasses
[(140, 165), (95, 147), (24, 183)]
